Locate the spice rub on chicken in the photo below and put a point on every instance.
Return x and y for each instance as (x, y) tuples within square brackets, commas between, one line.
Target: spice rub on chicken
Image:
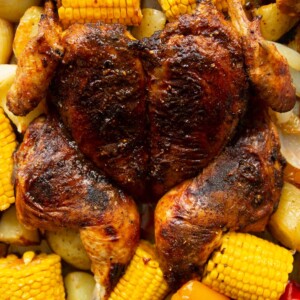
[(148, 115)]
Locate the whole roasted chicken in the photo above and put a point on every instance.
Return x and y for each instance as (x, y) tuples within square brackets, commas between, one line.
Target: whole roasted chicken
[(135, 119)]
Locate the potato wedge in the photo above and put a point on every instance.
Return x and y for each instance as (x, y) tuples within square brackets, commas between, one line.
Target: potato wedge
[(153, 20), (79, 285), (27, 29), (13, 10), (67, 244), (274, 23), (12, 232), (6, 40), (285, 222)]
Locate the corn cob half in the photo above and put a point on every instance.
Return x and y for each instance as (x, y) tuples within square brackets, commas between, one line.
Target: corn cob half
[(174, 8), (7, 147), (32, 277), (247, 267), (125, 12), (143, 279)]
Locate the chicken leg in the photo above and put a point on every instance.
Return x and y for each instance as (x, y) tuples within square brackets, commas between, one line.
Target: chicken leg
[(56, 187), (236, 192)]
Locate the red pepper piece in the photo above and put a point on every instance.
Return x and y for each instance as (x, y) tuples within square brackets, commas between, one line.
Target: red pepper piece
[(292, 291)]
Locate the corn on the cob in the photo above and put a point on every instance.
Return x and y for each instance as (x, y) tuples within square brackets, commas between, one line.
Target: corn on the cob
[(126, 12), (143, 279), (174, 8), (31, 277), (247, 267), (7, 147)]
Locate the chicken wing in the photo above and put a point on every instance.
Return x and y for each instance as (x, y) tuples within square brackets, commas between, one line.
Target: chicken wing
[(267, 68), (36, 65), (236, 192), (56, 187)]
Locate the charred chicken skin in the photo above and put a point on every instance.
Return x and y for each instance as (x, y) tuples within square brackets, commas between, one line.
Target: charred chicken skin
[(99, 89), (57, 187), (143, 116), (197, 94)]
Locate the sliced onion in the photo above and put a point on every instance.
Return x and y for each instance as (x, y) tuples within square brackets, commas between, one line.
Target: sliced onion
[(292, 56), (290, 146)]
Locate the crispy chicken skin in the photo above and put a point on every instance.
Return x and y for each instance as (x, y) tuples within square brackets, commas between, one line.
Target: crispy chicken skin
[(56, 187), (236, 192), (197, 94), (36, 65), (267, 68), (99, 90)]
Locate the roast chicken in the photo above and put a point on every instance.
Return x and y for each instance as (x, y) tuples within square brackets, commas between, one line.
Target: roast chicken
[(135, 119)]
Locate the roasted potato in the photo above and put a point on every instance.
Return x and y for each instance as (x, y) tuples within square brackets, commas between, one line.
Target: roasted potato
[(27, 29), (153, 20), (79, 286), (12, 232), (6, 40), (274, 23), (13, 10), (285, 222), (67, 244)]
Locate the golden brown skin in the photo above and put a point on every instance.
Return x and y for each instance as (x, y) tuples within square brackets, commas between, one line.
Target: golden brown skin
[(56, 187), (36, 65), (267, 68), (197, 94), (236, 192), (289, 7), (99, 90)]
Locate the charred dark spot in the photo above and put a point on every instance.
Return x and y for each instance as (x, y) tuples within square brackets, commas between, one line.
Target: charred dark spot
[(97, 197), (44, 62), (111, 232), (108, 64), (116, 271)]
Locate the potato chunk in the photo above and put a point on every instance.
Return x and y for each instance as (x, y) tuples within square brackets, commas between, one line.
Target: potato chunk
[(12, 232), (67, 244), (79, 285), (285, 222)]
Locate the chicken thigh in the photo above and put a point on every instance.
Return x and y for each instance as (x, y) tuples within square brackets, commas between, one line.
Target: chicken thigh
[(238, 191), (57, 187)]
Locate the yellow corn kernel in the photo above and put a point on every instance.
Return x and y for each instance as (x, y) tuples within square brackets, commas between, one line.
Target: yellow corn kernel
[(31, 277), (126, 12), (247, 267), (143, 279), (7, 147)]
